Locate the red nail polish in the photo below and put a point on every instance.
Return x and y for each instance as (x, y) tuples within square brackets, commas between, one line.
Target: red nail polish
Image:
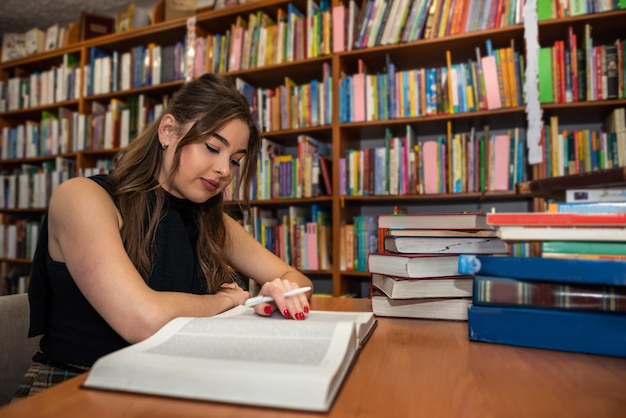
[(268, 310), (286, 313), (301, 316), (306, 309)]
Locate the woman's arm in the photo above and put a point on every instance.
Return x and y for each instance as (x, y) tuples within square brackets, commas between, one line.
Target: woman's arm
[(250, 258), (84, 233)]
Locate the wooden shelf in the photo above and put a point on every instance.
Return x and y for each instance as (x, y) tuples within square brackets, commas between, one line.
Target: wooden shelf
[(548, 186), (431, 53)]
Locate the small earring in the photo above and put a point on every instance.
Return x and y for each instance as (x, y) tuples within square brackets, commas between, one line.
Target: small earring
[(163, 146)]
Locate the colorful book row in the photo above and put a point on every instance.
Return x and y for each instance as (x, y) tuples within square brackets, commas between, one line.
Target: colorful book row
[(301, 236), (39, 88), (291, 106), (573, 72), (374, 22), (490, 82), (581, 151), (461, 163)]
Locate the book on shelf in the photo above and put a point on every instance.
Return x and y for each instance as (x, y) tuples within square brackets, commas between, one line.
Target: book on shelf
[(540, 268), (456, 233), (35, 41), (585, 256), (601, 194), (223, 359), (435, 287), (420, 308), (93, 25), (13, 46), (589, 179), (434, 221), (413, 265), (561, 233), (52, 38), (576, 331), (507, 291), (174, 9), (445, 245), (584, 207), (583, 247), (556, 219)]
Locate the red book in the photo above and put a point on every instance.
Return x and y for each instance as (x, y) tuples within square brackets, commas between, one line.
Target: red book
[(597, 53), (433, 221), (556, 219)]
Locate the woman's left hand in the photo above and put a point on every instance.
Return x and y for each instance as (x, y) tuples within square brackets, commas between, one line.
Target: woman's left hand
[(294, 307)]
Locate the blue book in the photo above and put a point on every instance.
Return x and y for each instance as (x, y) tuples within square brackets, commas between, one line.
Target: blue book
[(581, 332), (602, 272), (590, 207)]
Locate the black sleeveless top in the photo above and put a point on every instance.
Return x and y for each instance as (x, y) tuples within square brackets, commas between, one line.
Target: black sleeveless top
[(73, 332)]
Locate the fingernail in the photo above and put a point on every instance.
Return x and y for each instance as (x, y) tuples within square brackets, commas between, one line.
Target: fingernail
[(286, 313), (301, 316), (268, 310), (306, 309)]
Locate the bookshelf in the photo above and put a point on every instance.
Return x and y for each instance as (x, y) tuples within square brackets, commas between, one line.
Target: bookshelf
[(345, 135)]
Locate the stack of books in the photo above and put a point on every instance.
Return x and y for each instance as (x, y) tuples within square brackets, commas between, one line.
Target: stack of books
[(415, 269), (566, 235), (562, 304), (599, 200), (571, 298)]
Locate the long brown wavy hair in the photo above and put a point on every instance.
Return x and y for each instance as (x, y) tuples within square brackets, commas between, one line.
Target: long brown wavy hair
[(209, 103)]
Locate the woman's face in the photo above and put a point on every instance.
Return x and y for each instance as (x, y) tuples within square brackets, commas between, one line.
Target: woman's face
[(206, 167)]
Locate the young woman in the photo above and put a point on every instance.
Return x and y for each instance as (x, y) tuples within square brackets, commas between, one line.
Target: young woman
[(121, 255)]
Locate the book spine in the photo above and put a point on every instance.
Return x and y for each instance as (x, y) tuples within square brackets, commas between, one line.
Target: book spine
[(503, 291), (539, 268), (549, 329)]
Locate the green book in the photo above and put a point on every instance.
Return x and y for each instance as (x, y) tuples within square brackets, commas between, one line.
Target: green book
[(544, 9), (584, 247), (544, 65)]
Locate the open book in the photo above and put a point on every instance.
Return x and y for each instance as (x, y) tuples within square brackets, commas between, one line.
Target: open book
[(240, 357)]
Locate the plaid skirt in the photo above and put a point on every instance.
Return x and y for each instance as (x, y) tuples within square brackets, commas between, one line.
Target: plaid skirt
[(42, 376)]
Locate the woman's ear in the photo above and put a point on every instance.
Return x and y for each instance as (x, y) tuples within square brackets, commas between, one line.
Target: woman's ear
[(167, 128)]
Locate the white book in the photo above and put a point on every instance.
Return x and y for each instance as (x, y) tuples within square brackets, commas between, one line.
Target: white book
[(52, 37), (402, 288), (156, 65), (562, 233), (602, 194), (35, 41), (24, 191), (224, 359), (430, 308), (11, 243), (107, 63), (108, 130), (125, 71), (125, 128)]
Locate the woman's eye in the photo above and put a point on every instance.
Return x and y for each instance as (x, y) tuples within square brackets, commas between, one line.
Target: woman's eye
[(235, 163), (211, 149)]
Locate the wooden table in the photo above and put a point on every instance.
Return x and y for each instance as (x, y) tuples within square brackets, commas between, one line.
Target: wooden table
[(408, 368)]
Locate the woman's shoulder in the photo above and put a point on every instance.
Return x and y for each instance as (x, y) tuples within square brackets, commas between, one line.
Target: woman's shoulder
[(100, 181), (80, 190), (104, 181)]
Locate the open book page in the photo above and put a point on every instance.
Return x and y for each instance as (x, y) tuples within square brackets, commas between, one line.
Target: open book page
[(363, 321), (237, 357)]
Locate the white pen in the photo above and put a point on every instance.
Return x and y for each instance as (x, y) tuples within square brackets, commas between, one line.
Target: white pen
[(260, 299)]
